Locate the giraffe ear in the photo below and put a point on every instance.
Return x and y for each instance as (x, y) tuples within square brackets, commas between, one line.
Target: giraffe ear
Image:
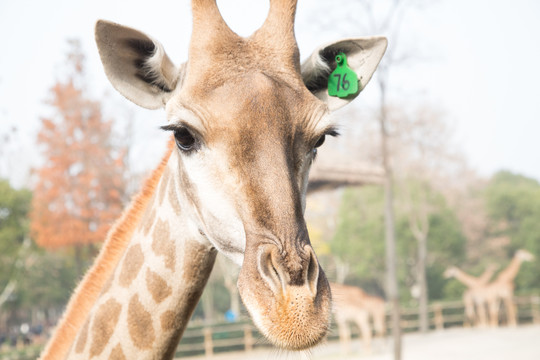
[(363, 56), (136, 65)]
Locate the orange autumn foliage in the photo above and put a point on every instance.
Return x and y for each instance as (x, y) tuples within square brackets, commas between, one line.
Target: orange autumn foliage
[(80, 185)]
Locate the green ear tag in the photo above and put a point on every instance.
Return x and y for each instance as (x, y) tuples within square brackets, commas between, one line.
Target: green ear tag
[(343, 81)]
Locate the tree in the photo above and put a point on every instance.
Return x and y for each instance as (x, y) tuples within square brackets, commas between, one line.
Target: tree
[(361, 231), (80, 184), (14, 207), (31, 280), (513, 207), (426, 163), (419, 209)]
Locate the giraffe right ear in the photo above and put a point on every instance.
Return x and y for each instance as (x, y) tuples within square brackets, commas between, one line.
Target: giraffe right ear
[(363, 56), (136, 65)]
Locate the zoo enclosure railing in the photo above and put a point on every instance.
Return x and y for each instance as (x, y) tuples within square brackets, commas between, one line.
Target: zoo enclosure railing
[(244, 336)]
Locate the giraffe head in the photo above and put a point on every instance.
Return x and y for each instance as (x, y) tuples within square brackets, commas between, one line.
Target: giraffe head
[(248, 119), (450, 272), (524, 255)]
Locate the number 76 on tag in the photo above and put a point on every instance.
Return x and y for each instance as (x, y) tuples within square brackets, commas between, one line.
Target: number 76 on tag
[(343, 81)]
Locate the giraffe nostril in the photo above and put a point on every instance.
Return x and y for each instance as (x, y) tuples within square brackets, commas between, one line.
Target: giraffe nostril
[(275, 271), (276, 276), (312, 273), (270, 270)]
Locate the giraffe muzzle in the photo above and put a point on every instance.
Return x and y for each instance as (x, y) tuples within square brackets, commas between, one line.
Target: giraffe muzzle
[(287, 295)]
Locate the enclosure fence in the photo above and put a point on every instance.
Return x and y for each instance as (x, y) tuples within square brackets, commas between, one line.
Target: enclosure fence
[(244, 336), (207, 340)]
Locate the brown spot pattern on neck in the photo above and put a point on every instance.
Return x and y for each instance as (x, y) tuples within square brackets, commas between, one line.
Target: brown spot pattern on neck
[(157, 286), (117, 353), (103, 326), (171, 320), (148, 220), (83, 336), (162, 243), (140, 326), (132, 265)]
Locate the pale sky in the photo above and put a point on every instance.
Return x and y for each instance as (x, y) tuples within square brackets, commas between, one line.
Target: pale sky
[(478, 60)]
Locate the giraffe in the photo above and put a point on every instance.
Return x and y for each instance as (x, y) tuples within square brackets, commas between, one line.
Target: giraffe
[(247, 118), (472, 298), (502, 288), (351, 303)]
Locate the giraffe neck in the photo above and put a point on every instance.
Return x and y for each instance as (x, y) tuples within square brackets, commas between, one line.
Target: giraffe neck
[(144, 308), (510, 272), (466, 279), (486, 275), (145, 301)]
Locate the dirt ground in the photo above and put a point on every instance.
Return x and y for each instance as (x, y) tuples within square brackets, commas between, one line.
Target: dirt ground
[(522, 343)]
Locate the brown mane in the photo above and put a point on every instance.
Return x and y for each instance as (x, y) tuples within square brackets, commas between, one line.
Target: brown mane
[(115, 244)]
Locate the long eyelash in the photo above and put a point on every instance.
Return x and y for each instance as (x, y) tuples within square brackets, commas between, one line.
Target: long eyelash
[(170, 127), (332, 131)]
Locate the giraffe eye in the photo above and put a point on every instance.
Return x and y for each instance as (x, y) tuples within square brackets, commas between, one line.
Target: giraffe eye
[(320, 141), (318, 144), (184, 139)]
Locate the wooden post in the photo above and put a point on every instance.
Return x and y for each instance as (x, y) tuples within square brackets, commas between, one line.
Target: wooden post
[(208, 346), (248, 338), (439, 318), (535, 309)]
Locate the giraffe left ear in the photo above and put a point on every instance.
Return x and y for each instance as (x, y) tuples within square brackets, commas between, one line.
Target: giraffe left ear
[(136, 65), (363, 56)]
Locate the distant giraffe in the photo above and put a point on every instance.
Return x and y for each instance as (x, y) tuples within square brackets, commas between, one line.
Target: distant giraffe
[(247, 119), (352, 304), (470, 297), (502, 289)]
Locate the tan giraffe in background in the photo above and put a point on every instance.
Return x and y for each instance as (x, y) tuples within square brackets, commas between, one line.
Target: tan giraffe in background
[(247, 118), (352, 304), (502, 288), (472, 298)]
